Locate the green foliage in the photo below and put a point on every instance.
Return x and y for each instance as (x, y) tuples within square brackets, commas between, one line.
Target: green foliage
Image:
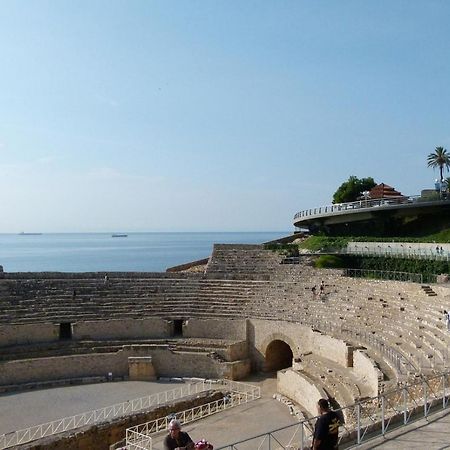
[(329, 262), (283, 249), (429, 196), (351, 189), (425, 267), (441, 159), (325, 243)]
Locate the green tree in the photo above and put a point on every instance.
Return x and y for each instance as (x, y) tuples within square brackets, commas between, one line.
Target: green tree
[(440, 158), (350, 190)]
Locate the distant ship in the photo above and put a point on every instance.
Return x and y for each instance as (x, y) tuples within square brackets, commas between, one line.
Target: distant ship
[(119, 235), (22, 233)]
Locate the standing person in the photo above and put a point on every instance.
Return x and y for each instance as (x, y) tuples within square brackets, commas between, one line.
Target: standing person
[(177, 439), (322, 287), (326, 431), (447, 319), (313, 290)]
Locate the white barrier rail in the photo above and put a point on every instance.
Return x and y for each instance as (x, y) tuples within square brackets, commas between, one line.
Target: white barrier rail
[(365, 420), (101, 415), (139, 437)]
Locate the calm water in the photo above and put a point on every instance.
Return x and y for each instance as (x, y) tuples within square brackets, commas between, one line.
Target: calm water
[(85, 252)]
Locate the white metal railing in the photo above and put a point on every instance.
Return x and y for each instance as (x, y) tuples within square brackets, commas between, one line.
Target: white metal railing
[(364, 420), (139, 437), (340, 208), (391, 275), (405, 252), (401, 363), (137, 441), (101, 415)]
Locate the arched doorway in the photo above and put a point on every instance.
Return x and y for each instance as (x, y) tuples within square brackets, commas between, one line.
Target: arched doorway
[(278, 356)]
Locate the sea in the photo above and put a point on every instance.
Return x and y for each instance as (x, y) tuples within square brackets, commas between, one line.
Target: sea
[(100, 252)]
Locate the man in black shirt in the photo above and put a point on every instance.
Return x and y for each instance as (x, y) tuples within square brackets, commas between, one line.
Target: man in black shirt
[(177, 439), (326, 431)]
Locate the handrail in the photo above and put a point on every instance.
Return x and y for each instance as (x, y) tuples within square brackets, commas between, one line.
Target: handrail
[(101, 415), (139, 436), (339, 208), (365, 420), (391, 275)]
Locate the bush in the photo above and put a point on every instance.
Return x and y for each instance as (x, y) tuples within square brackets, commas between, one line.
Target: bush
[(329, 262), (325, 243)]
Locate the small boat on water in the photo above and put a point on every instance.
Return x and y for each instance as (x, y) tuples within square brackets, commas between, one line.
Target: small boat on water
[(119, 235)]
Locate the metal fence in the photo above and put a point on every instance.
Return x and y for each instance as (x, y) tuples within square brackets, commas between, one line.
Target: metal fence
[(385, 275), (364, 420), (139, 437), (101, 415), (400, 362), (403, 253)]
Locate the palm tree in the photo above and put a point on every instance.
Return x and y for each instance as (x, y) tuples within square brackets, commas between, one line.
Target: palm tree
[(440, 158)]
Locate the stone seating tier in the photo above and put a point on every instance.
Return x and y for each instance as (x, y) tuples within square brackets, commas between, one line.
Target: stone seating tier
[(399, 314)]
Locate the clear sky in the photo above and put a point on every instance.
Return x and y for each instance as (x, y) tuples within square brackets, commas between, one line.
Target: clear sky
[(213, 115)]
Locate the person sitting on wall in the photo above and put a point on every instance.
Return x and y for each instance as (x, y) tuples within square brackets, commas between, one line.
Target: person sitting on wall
[(326, 431), (177, 439)]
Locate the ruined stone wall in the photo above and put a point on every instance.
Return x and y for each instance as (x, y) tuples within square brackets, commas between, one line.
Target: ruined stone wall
[(331, 348), (215, 328), (66, 367), (28, 333), (366, 368), (147, 328), (300, 388), (301, 339)]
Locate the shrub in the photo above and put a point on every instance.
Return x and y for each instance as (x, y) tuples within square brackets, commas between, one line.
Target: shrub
[(329, 262)]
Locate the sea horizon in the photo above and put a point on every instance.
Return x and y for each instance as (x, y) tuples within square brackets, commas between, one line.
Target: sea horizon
[(139, 251)]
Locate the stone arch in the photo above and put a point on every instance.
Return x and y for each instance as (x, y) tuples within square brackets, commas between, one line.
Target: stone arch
[(279, 352)]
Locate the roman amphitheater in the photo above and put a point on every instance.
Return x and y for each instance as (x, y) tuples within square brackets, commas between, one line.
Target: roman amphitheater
[(377, 349)]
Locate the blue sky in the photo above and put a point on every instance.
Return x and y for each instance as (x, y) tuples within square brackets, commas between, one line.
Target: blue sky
[(213, 115)]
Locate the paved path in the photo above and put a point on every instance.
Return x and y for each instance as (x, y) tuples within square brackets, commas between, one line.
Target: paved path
[(242, 422), (431, 434), (25, 409)]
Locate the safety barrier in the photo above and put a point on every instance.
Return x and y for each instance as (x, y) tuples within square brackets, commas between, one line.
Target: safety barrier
[(365, 420), (139, 437), (101, 415)]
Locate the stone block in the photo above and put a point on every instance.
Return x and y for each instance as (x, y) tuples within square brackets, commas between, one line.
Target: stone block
[(140, 368)]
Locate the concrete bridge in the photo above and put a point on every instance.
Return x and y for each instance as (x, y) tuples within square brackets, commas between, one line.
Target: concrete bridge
[(369, 210)]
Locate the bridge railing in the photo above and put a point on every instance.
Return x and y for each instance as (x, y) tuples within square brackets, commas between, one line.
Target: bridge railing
[(101, 415), (339, 208), (365, 420)]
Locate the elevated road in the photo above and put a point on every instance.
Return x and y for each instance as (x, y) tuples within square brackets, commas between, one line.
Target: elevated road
[(369, 210)]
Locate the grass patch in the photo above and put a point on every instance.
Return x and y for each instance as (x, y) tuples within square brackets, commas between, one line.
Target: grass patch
[(329, 262)]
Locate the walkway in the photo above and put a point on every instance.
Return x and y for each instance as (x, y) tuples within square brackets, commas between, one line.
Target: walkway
[(241, 422), (28, 408), (432, 434)]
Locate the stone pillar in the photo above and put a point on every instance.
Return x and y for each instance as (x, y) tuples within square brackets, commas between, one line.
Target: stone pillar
[(140, 368)]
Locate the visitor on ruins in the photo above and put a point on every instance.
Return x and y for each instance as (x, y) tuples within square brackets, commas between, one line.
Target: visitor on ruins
[(447, 319), (177, 439), (326, 431), (203, 445), (313, 290)]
